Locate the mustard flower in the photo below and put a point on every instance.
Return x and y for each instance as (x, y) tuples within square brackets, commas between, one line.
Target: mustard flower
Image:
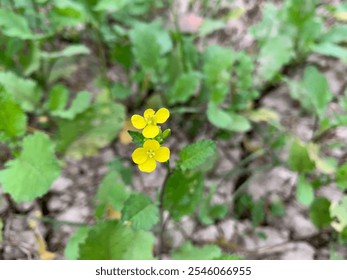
[(147, 157), (149, 121)]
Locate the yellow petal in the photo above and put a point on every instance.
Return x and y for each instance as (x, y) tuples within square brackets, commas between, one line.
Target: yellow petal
[(151, 145), (149, 113), (138, 121), (139, 155), (150, 131), (148, 166), (162, 115), (162, 154)]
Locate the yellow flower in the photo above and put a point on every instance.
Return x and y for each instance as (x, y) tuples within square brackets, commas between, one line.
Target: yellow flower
[(147, 157), (149, 121)]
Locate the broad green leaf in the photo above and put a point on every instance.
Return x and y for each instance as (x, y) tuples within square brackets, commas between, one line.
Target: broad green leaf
[(115, 241), (227, 120), (137, 138), (182, 194), (24, 91), (110, 5), (93, 129), (140, 211), (336, 34), (184, 88), (80, 104), (304, 191), (13, 120), (66, 13), (71, 251), (111, 192), (33, 172), (58, 98), (14, 25), (275, 53), (339, 212), (189, 252), (318, 90), (71, 50), (299, 159), (121, 92), (341, 177), (320, 213), (217, 65), (196, 154), (331, 49)]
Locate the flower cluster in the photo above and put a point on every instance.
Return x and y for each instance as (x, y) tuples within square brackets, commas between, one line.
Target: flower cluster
[(146, 157)]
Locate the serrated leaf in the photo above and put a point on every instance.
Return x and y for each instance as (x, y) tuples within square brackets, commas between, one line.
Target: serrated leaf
[(137, 138), (13, 120), (182, 194), (140, 211), (71, 50), (115, 241), (195, 155), (339, 212), (24, 91), (275, 53), (299, 159), (189, 252), (341, 177), (33, 172), (184, 88), (319, 212), (304, 191), (111, 192), (93, 129), (71, 251)]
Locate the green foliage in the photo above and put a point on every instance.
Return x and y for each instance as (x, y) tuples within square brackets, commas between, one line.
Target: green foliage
[(341, 176), (304, 191), (119, 242), (319, 212), (194, 155), (184, 88), (140, 211), (299, 159), (33, 172), (339, 213), (13, 121), (137, 138), (189, 252), (71, 251), (183, 192)]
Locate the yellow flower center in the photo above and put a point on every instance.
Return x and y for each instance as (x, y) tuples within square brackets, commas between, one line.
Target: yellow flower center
[(150, 153), (150, 120)]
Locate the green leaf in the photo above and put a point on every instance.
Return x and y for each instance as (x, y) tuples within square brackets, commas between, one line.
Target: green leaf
[(277, 208), (341, 177), (331, 49), (80, 104), (189, 252), (93, 129), (115, 241), (195, 155), (111, 192), (184, 88), (318, 91), (299, 159), (58, 98), (140, 211), (320, 213), (71, 50), (275, 53), (71, 251), (24, 91), (13, 120), (110, 5), (33, 172), (137, 138), (209, 26), (304, 191), (339, 213), (183, 193), (258, 213), (227, 120), (14, 25), (336, 34)]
